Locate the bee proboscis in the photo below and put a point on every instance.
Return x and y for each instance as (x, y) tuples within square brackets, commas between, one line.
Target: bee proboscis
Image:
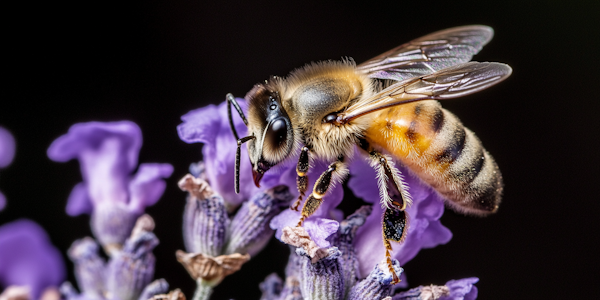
[(387, 106)]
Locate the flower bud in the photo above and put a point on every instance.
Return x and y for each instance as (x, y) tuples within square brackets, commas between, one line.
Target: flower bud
[(205, 219), (378, 284), (323, 279), (89, 267), (249, 231), (156, 287), (131, 269)]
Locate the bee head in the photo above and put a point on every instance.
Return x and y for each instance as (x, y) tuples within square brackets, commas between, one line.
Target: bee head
[(271, 126)]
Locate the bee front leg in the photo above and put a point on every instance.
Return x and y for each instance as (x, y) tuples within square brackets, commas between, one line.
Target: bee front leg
[(320, 189), (302, 179)]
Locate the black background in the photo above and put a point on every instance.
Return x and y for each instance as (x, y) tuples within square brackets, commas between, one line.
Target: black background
[(153, 61)]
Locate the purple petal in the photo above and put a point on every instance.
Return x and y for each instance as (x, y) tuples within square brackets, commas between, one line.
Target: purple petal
[(200, 125), (28, 258), (326, 214), (210, 126), (79, 201), (2, 201), (107, 153), (462, 289), (319, 229), (148, 185), (425, 230), (7, 148)]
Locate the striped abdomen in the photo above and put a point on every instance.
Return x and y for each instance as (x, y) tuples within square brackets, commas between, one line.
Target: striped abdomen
[(433, 143)]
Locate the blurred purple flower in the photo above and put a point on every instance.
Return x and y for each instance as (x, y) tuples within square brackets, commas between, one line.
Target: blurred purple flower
[(27, 258), (126, 275), (7, 153), (108, 154), (210, 125)]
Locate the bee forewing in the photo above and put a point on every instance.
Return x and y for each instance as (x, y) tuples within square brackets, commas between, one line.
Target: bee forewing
[(429, 53), (460, 80), (448, 83)]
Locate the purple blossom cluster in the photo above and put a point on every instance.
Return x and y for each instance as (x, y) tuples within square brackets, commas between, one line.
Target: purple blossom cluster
[(332, 256), (7, 153)]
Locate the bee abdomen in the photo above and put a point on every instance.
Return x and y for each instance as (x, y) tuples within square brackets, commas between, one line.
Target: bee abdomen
[(434, 144), (468, 175)]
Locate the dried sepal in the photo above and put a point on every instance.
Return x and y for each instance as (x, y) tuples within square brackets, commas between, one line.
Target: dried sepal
[(197, 187), (15, 292), (298, 237), (175, 294), (211, 269)]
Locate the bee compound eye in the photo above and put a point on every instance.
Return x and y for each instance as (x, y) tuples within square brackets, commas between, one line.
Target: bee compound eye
[(277, 133)]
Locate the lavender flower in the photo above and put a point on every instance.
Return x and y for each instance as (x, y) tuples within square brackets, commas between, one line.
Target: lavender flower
[(108, 153), (218, 245), (333, 275), (126, 275), (29, 261), (7, 153)]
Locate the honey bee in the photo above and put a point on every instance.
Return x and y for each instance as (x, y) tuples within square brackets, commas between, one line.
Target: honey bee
[(387, 107)]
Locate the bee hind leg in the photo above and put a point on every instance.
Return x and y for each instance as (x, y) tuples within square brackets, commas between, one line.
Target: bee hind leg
[(395, 228), (395, 199), (302, 179), (320, 189)]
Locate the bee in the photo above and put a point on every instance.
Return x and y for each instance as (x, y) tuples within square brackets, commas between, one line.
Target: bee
[(387, 106)]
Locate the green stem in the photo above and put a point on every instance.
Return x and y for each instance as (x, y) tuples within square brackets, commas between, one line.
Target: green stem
[(203, 290)]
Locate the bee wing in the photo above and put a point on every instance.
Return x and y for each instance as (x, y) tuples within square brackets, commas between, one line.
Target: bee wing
[(429, 54), (448, 83)]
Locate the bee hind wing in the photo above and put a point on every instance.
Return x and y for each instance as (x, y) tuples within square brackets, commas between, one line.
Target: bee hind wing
[(429, 53), (448, 83)]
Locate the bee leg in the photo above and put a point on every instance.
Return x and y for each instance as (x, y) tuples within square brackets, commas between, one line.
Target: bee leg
[(394, 225), (395, 218), (302, 179), (389, 179), (321, 186)]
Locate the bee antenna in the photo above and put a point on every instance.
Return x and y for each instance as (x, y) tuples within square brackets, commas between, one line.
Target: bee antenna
[(231, 100), (237, 160)]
